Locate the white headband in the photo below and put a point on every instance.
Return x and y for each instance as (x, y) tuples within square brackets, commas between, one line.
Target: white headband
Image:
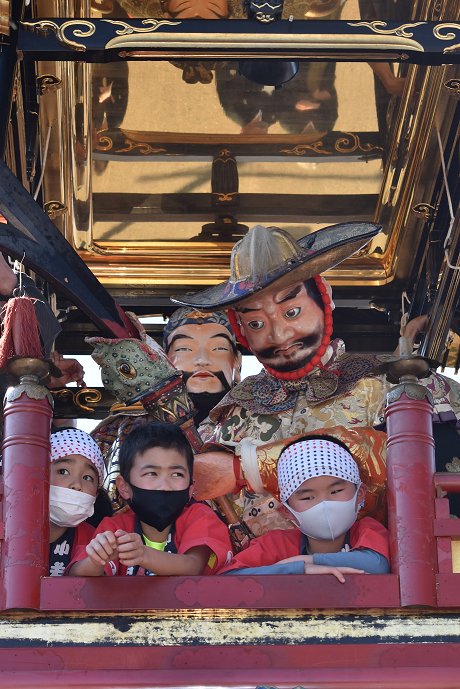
[(73, 441), (309, 458)]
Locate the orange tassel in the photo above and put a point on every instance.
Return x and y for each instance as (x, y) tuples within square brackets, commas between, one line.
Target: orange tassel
[(20, 331)]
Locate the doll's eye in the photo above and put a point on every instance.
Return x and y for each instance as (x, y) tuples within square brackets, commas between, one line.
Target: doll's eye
[(126, 369), (256, 325), (293, 313)]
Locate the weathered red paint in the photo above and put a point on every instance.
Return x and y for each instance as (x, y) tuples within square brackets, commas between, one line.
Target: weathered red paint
[(443, 545), (418, 677), (448, 586), (448, 482), (446, 527), (411, 495), (262, 592), (248, 657), (26, 458)]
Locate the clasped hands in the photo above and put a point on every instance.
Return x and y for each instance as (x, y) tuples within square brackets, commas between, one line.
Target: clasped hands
[(127, 547)]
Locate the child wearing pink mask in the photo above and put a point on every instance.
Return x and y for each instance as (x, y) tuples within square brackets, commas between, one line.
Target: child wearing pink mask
[(321, 493), (76, 472)]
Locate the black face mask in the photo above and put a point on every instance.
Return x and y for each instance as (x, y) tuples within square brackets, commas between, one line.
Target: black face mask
[(158, 508)]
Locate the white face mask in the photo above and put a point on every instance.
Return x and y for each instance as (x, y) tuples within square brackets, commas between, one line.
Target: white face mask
[(70, 507), (327, 520)]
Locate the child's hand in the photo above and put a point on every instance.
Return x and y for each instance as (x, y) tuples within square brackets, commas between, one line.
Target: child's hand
[(130, 548), (338, 572), (103, 548)]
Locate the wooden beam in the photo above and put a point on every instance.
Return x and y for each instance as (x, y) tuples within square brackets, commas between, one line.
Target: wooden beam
[(252, 207)]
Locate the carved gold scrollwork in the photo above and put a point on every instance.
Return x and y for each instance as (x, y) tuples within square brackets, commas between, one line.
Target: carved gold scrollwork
[(265, 18), (149, 26), (301, 149), (78, 398), (366, 148), (53, 209), (224, 196), (46, 25), (274, 8), (453, 87), (424, 209), (89, 396), (48, 83), (447, 37), (144, 148), (399, 31), (104, 140)]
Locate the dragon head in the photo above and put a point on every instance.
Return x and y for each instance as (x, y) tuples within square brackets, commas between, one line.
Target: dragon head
[(131, 368)]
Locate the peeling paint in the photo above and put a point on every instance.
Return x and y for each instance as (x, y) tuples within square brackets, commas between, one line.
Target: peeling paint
[(183, 630)]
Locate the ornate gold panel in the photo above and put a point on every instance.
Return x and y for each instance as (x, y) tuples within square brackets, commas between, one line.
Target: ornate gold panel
[(333, 145)]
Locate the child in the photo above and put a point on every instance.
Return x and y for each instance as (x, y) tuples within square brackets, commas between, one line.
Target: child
[(321, 493), (76, 471), (165, 532)]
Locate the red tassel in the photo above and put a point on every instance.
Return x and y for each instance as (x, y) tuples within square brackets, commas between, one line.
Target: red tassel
[(20, 331)]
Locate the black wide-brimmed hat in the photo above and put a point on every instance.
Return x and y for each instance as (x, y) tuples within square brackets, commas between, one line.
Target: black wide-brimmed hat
[(266, 256)]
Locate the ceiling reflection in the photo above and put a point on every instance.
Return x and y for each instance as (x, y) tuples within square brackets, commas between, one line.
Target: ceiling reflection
[(175, 144), (369, 10)]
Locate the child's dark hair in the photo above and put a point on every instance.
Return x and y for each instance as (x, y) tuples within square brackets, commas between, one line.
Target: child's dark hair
[(318, 436), (102, 508), (148, 435)]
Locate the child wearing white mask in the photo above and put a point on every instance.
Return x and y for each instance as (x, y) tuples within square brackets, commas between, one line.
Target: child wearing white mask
[(76, 472), (321, 493)]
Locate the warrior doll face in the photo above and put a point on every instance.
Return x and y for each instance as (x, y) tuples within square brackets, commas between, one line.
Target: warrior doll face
[(283, 328), (206, 353)]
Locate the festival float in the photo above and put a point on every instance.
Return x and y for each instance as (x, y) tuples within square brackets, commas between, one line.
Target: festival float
[(155, 166)]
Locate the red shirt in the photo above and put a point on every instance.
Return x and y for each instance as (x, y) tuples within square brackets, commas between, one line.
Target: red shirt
[(197, 525), (279, 544), (84, 533)]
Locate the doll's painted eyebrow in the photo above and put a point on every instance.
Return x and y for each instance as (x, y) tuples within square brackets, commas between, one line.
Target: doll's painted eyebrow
[(180, 336), (292, 294)]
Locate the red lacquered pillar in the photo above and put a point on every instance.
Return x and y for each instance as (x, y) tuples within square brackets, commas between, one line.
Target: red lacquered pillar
[(26, 459), (411, 492)]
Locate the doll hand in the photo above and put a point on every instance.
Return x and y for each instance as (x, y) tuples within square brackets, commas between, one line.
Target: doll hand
[(213, 474), (103, 548), (72, 371), (130, 548), (338, 572)]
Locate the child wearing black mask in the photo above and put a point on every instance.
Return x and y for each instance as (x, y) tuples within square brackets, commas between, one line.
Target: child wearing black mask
[(156, 480)]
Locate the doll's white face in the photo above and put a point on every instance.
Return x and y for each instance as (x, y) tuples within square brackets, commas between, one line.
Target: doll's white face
[(204, 351)]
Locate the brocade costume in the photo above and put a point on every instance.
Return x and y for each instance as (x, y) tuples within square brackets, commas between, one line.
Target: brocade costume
[(342, 393)]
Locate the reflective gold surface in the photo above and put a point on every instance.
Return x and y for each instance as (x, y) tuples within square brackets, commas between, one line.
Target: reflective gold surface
[(5, 14), (133, 143)]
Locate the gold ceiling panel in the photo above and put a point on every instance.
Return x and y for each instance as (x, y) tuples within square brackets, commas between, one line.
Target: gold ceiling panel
[(133, 143)]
